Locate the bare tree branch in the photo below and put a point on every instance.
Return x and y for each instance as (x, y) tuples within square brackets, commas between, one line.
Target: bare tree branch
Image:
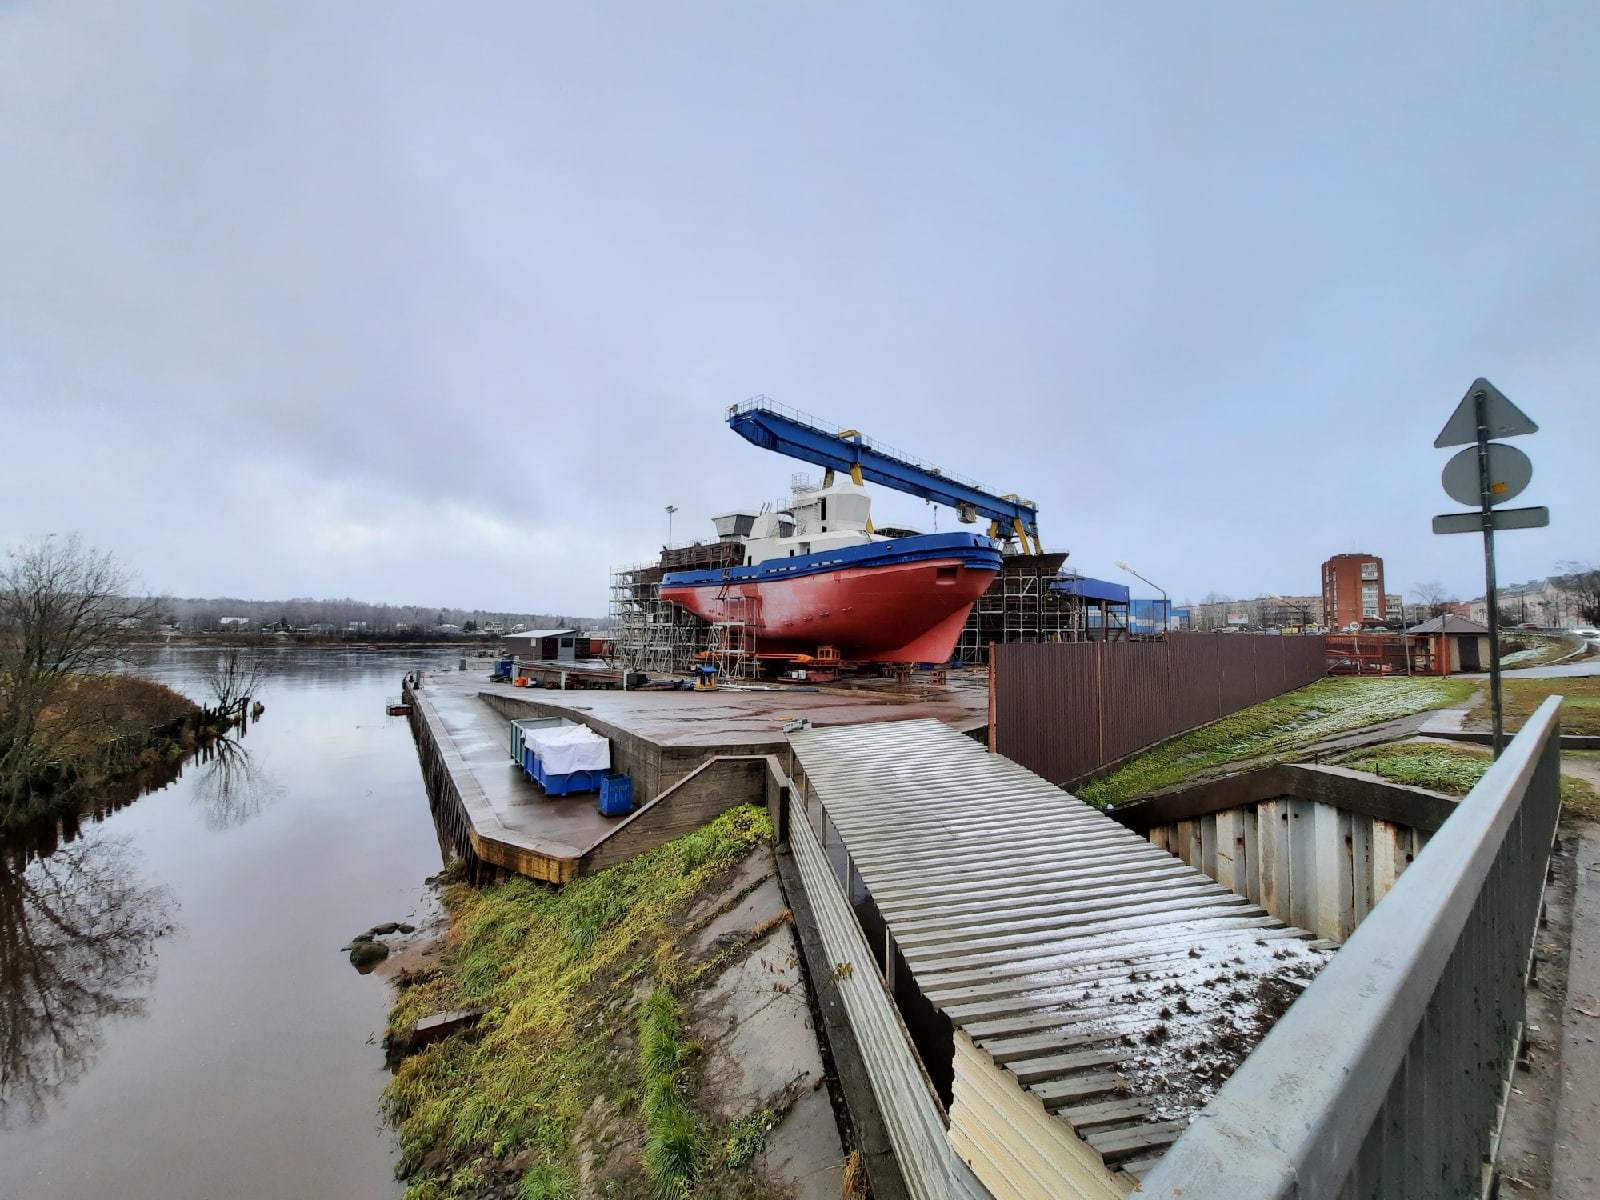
[(65, 613)]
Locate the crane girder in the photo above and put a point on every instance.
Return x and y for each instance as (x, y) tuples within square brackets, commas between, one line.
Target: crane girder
[(763, 424)]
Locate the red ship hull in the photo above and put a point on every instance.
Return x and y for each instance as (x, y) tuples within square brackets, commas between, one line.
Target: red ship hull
[(902, 612)]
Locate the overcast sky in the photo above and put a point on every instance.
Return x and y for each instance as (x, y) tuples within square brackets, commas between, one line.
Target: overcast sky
[(442, 304)]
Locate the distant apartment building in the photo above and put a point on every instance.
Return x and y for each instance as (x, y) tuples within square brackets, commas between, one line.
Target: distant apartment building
[(1542, 602), (1352, 590), (1264, 612)]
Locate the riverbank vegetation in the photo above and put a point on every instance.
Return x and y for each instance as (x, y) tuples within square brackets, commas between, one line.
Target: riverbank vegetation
[(70, 719), (580, 1069), (1276, 731)]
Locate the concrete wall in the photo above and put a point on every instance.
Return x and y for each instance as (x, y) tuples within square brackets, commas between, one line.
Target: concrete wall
[(1316, 847), (652, 766), (695, 800)]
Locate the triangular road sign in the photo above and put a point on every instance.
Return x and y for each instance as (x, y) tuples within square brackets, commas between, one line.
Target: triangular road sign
[(1505, 418)]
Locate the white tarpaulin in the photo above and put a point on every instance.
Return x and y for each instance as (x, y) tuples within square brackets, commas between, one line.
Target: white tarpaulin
[(569, 748)]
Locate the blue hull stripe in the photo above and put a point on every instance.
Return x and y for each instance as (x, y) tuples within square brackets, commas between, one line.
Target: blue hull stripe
[(974, 550)]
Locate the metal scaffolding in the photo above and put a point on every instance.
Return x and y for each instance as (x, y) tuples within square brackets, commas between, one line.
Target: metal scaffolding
[(1022, 606), (732, 641), (651, 634), (659, 637)]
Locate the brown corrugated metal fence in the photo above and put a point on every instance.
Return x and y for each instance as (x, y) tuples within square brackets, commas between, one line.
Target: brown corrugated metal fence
[(1066, 709)]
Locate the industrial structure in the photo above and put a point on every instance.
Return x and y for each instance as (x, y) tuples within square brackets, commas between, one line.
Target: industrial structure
[(812, 584)]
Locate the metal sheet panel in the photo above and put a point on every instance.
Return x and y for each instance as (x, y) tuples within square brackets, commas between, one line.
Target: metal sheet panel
[(1083, 959), (911, 1114), (1066, 709)]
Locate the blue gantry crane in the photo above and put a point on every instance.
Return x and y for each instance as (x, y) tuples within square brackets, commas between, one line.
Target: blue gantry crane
[(774, 427)]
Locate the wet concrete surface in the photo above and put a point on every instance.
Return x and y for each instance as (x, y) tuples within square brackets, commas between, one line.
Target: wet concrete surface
[(176, 1018), (763, 1051), (559, 826), (727, 717)]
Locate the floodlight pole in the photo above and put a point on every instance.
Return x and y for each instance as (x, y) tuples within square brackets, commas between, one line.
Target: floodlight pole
[(1480, 400), (1166, 602)]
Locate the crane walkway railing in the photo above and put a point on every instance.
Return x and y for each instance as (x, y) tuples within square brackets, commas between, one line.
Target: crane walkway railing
[(1388, 1076)]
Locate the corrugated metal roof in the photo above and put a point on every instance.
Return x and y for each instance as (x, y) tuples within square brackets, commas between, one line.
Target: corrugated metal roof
[(1113, 981), (1092, 589), (1449, 623), (538, 633)]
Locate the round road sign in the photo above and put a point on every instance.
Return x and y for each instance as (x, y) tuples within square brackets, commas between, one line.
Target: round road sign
[(1509, 472)]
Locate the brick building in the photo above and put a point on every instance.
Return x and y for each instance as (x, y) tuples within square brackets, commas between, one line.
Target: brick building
[(1352, 590)]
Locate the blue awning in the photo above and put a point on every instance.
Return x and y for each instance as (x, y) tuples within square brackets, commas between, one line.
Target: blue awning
[(1092, 589)]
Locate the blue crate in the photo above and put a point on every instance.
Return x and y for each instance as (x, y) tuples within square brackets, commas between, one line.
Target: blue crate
[(616, 796)]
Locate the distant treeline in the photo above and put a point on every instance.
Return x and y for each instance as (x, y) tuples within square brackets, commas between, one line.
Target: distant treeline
[(332, 618)]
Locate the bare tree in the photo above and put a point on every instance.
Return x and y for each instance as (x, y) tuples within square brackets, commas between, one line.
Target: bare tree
[(65, 613), (1432, 596), (1581, 582), (234, 678)]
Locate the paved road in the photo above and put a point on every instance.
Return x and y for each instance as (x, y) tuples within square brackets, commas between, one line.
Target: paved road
[(1578, 670)]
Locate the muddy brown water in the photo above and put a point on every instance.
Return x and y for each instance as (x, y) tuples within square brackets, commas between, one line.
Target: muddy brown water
[(176, 1017)]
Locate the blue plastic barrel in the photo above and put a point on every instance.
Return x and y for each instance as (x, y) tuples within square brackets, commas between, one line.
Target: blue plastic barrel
[(616, 796)]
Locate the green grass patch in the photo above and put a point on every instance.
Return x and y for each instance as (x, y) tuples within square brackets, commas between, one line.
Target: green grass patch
[(1580, 713), (1276, 729), (672, 1149), (554, 970), (1454, 770), (747, 1137)]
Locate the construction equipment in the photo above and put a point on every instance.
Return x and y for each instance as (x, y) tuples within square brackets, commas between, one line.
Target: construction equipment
[(786, 431)]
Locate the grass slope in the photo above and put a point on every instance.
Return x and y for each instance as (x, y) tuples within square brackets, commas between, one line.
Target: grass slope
[(1453, 770), (1580, 713), (560, 973), (1532, 650), (1276, 729)]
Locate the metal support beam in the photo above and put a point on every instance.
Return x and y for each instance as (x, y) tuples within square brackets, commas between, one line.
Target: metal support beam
[(760, 422)]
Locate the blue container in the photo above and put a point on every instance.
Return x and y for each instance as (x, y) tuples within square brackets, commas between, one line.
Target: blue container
[(502, 670), (616, 796)]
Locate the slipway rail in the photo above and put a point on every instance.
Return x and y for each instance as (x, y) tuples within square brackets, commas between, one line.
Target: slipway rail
[(1388, 1076)]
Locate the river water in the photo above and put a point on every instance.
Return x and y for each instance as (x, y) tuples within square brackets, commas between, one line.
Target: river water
[(176, 1018)]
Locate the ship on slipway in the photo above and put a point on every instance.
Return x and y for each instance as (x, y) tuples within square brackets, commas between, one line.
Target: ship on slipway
[(814, 577)]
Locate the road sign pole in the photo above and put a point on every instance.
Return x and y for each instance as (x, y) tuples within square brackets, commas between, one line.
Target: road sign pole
[(1490, 592)]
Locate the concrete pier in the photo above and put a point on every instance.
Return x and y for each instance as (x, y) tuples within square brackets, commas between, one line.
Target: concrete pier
[(691, 756)]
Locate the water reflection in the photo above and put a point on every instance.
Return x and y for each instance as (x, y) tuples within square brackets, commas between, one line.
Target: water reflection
[(77, 939), (230, 787)]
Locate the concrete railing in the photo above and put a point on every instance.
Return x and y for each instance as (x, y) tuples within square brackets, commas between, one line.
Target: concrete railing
[(1388, 1076)]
